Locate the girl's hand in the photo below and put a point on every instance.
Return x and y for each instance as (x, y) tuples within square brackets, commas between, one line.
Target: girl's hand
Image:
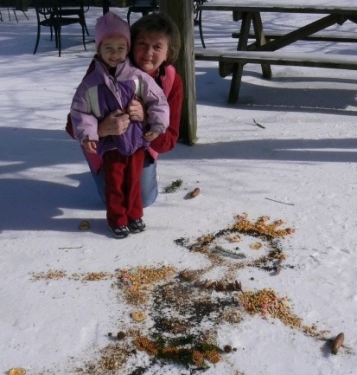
[(115, 123), (150, 136), (90, 146), (137, 110)]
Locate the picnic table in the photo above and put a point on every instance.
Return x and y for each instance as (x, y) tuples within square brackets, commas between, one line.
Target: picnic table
[(265, 48)]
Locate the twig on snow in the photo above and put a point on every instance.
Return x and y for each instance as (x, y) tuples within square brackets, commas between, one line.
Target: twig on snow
[(256, 123), (70, 248), (289, 204)]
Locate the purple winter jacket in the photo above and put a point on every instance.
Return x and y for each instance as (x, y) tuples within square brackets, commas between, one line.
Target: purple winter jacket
[(100, 93)]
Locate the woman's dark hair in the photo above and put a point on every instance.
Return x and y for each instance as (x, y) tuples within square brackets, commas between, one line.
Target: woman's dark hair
[(159, 23)]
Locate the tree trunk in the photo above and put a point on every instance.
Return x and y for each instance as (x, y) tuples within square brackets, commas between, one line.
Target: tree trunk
[(181, 12)]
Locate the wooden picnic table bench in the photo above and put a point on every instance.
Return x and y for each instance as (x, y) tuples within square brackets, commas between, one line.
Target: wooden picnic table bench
[(321, 60), (327, 36), (265, 50)]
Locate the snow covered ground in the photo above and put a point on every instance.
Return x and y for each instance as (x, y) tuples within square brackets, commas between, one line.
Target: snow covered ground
[(300, 167)]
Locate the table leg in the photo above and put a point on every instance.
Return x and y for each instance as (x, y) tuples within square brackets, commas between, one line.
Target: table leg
[(261, 40), (237, 16), (238, 68)]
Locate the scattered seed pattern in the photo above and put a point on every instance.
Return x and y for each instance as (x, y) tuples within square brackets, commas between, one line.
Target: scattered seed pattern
[(58, 274), (136, 282), (186, 351), (113, 358), (261, 227), (49, 275), (265, 302), (217, 285), (179, 305), (269, 233), (95, 276)]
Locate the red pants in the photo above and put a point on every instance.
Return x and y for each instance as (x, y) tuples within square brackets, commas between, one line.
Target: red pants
[(122, 186)]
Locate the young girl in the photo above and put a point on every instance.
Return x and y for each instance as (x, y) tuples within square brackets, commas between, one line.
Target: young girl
[(155, 47), (111, 86)]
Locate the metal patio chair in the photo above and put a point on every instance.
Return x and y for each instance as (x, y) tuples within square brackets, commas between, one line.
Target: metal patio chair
[(10, 7), (197, 13), (142, 6), (55, 14)]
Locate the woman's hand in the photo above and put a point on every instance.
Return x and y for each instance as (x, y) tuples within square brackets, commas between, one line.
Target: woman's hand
[(137, 111), (115, 123), (90, 146)]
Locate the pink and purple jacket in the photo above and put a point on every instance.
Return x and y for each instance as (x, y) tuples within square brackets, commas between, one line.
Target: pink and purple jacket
[(100, 93)]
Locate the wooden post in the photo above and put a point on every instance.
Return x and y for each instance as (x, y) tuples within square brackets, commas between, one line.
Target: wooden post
[(181, 12)]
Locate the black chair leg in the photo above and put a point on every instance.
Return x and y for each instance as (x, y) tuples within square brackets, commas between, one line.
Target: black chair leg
[(15, 15), (56, 38), (25, 15), (84, 35), (58, 33), (37, 39), (128, 16), (200, 28), (84, 24)]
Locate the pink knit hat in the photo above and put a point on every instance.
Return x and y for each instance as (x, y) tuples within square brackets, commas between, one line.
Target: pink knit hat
[(108, 25)]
